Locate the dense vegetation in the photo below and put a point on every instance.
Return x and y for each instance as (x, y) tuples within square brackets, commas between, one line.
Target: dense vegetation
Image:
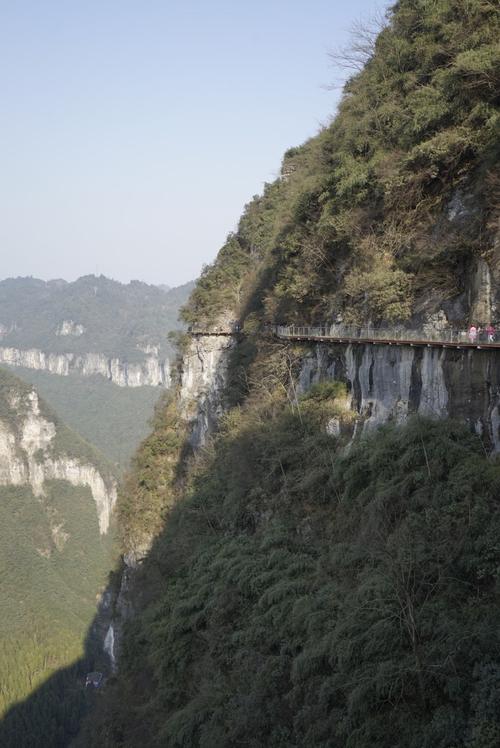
[(303, 590), (385, 212), (301, 596), (116, 318), (48, 589), (53, 565)]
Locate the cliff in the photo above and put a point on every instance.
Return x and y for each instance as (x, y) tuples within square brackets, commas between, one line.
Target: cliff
[(152, 371), (203, 382), (57, 497), (309, 540), (391, 383), (93, 326), (32, 451)]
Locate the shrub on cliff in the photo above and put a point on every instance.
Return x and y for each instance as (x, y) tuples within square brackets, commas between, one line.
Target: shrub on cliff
[(417, 125), (321, 598)]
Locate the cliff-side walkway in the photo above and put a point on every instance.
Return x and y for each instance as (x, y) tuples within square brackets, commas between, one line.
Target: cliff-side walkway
[(384, 336), (361, 335)]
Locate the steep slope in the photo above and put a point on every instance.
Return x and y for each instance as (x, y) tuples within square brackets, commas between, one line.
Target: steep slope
[(56, 501), (291, 578), (392, 212), (301, 597), (114, 419)]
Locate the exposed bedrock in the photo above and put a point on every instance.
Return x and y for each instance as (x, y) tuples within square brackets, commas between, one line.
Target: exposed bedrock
[(203, 382), (151, 371), (27, 457), (392, 382)]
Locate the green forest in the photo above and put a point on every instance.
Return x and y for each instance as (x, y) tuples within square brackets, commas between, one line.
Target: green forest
[(116, 318), (299, 595), (304, 590), (48, 593), (54, 565), (304, 587)]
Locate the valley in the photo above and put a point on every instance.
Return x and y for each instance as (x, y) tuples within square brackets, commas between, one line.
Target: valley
[(263, 509)]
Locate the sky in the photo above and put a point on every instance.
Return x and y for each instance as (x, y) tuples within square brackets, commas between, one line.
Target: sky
[(133, 132)]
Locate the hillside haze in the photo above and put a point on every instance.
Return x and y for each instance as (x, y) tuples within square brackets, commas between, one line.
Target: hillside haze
[(91, 326), (97, 350)]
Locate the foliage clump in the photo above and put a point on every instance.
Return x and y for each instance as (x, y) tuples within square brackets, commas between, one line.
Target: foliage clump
[(314, 597), (299, 593), (359, 221)]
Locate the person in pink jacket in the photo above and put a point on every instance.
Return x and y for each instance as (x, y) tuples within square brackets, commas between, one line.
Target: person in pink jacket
[(472, 333), (490, 332)]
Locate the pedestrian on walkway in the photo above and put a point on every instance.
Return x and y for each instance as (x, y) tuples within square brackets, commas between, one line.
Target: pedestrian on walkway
[(490, 332), (473, 333)]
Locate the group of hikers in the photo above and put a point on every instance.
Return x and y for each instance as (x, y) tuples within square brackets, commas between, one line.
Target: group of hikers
[(476, 333)]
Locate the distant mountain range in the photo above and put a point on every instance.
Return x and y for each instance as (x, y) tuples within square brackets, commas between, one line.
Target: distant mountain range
[(74, 342), (90, 315)]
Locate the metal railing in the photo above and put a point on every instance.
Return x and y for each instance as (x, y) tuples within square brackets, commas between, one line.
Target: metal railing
[(338, 332), (368, 334)]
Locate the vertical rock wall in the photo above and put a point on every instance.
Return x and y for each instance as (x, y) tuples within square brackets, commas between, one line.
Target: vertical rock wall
[(392, 382), (203, 382), (152, 371)]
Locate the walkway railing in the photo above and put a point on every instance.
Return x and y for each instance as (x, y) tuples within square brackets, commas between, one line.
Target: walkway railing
[(446, 338), (369, 334)]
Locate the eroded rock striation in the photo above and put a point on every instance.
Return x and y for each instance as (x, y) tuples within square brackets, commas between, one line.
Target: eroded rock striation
[(28, 457), (203, 382), (392, 382), (151, 371)]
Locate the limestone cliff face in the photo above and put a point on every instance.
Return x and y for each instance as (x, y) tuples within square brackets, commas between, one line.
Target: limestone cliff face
[(151, 371), (393, 382), (203, 379), (203, 382), (27, 457)]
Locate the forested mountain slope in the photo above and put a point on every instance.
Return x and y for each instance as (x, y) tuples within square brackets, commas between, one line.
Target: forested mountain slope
[(92, 314), (299, 597), (95, 349), (290, 577), (391, 211), (56, 500), (94, 326)]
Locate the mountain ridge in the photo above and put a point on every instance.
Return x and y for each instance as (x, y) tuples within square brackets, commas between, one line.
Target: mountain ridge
[(305, 563)]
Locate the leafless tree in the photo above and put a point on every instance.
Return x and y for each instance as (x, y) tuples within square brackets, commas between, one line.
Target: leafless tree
[(363, 33)]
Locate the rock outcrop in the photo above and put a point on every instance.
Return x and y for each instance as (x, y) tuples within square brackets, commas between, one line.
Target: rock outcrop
[(393, 382), (28, 457), (203, 382), (151, 371), (68, 327)]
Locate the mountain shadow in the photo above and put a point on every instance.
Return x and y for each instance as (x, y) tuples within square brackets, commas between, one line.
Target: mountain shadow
[(51, 716)]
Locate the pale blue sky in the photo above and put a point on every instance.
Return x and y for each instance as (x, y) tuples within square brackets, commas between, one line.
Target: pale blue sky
[(132, 133)]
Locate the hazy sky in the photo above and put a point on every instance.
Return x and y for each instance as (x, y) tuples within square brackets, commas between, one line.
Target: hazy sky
[(132, 133)]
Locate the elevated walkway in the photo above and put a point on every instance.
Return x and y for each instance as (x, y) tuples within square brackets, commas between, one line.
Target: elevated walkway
[(364, 335), (386, 336)]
